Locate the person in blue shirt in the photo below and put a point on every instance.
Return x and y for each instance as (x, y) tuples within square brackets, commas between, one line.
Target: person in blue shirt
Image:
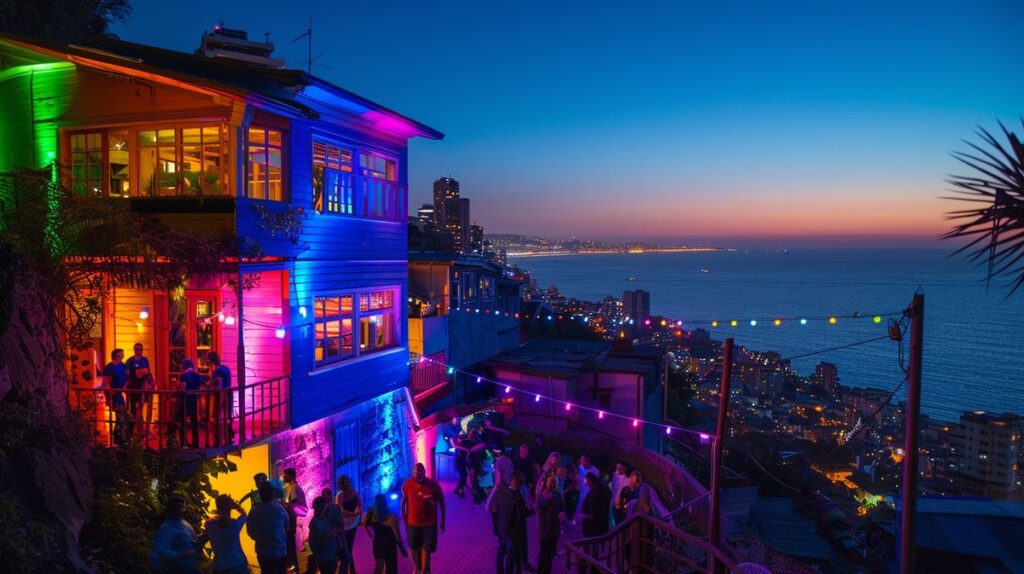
[(174, 547), (115, 376), (223, 403), (139, 378), (191, 380)]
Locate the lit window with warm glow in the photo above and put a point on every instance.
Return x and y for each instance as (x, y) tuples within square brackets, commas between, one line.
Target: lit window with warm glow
[(266, 164)]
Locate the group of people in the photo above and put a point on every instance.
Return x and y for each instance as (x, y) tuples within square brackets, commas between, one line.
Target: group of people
[(554, 492), (135, 374)]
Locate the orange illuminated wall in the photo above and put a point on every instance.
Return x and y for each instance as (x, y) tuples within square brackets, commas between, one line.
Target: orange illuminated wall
[(239, 483)]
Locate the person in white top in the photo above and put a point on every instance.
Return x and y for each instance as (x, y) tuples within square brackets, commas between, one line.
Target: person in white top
[(223, 532), (620, 478)]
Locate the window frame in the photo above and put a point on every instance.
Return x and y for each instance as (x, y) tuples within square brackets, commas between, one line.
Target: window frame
[(357, 315), (135, 151), (366, 196), (282, 150)]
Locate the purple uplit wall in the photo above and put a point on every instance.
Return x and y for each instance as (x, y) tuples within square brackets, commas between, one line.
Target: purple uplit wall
[(386, 449)]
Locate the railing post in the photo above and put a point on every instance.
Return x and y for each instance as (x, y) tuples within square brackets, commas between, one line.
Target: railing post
[(240, 361)]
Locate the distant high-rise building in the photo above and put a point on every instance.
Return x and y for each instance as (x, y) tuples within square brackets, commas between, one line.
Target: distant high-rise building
[(476, 239), (989, 454), (636, 305), (826, 375), (425, 214), (451, 213)]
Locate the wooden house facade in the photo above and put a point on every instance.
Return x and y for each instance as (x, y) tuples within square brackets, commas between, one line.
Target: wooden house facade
[(308, 178)]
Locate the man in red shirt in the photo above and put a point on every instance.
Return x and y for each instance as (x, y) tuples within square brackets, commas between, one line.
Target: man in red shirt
[(421, 498)]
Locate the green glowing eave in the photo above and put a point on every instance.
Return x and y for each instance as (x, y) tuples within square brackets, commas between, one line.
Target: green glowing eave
[(35, 97)]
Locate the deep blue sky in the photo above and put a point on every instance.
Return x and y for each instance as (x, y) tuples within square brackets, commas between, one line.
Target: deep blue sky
[(756, 122)]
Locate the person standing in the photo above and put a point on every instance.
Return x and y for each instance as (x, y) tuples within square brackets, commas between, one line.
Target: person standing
[(351, 512), (473, 450), (254, 495), (267, 523), (174, 547), (550, 519), (115, 376), (323, 536), (594, 506), (422, 499), (382, 528), (223, 532), (510, 511), (525, 464), (619, 481), (139, 379), (295, 504), (223, 401), (584, 469), (191, 382)]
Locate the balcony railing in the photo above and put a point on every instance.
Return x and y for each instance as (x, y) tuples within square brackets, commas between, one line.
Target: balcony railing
[(644, 544), (172, 419)]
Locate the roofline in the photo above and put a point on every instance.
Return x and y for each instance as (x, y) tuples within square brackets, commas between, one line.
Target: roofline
[(111, 61)]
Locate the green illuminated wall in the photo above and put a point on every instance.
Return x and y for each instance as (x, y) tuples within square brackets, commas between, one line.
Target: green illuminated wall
[(34, 98)]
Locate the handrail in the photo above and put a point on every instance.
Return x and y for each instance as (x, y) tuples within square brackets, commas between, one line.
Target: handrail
[(644, 544), (160, 419)]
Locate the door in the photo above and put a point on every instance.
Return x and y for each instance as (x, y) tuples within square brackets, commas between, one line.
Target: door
[(193, 331), (346, 454)]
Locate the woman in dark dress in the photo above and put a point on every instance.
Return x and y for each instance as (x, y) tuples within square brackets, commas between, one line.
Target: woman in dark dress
[(550, 519), (352, 514), (382, 527)]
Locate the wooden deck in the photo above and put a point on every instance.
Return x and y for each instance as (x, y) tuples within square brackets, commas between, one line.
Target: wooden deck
[(467, 546)]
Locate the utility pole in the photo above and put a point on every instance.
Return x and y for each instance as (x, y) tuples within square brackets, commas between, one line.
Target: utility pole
[(913, 427), (716, 452)]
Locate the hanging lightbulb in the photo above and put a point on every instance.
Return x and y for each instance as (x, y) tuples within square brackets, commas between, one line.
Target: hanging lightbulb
[(753, 322), (600, 414), (733, 323), (832, 320), (144, 313), (803, 321), (778, 322), (508, 389), (279, 332), (636, 423), (568, 406), (229, 320), (668, 430), (878, 318), (714, 323), (536, 398), (478, 380)]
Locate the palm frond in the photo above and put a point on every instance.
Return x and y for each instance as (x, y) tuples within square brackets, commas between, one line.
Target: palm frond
[(995, 228)]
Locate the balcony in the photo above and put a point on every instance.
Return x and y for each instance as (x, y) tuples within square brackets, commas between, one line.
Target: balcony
[(209, 419)]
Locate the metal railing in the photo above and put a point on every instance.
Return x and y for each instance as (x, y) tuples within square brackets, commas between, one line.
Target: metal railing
[(643, 544), (172, 419), (427, 375)]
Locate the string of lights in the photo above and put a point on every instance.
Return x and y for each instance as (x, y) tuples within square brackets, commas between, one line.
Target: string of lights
[(568, 406)]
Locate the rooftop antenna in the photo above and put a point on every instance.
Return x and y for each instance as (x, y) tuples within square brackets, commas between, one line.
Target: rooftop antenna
[(308, 34)]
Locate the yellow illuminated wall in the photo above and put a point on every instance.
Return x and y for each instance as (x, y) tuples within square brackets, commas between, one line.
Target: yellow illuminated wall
[(251, 461)]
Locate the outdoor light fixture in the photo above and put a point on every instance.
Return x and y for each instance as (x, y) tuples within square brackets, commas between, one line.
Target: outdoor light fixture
[(279, 332), (705, 438), (302, 311), (229, 320), (394, 496), (144, 313)]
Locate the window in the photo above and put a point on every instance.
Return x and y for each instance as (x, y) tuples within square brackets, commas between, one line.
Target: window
[(380, 195), (333, 317), (201, 160), (332, 179), (376, 321), (486, 288), (266, 176), (87, 163), (119, 163), (469, 287)]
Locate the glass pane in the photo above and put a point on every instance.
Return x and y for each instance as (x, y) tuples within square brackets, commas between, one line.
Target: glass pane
[(78, 142), (167, 172), (191, 135), (332, 343), (257, 171), (257, 136), (95, 140), (274, 136), (330, 307), (118, 156), (211, 135), (318, 307), (165, 136), (147, 138), (346, 305), (364, 302), (148, 180), (275, 189), (346, 336), (321, 343)]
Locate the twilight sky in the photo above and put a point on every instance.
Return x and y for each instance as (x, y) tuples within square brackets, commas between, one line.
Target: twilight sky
[(740, 123)]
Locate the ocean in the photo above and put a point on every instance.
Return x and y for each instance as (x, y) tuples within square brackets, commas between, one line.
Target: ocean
[(973, 334)]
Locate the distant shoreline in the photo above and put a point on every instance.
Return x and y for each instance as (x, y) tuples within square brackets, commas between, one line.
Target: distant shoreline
[(528, 254)]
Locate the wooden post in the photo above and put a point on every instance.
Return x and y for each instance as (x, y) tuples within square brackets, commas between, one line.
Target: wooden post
[(240, 361), (716, 453), (912, 431)]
